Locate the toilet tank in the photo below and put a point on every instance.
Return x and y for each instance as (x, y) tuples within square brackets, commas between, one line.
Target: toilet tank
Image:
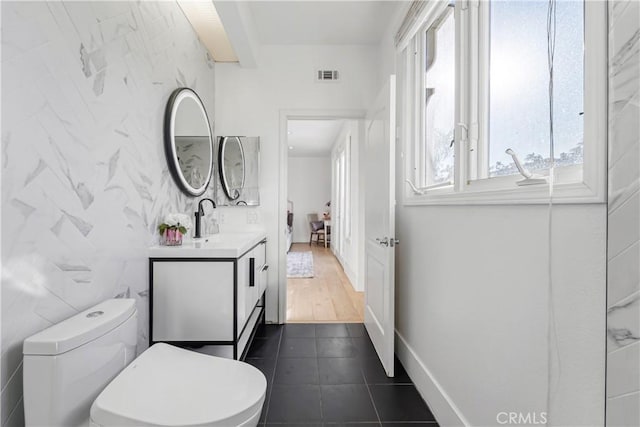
[(67, 365)]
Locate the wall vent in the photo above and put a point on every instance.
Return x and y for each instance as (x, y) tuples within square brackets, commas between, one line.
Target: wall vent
[(327, 75)]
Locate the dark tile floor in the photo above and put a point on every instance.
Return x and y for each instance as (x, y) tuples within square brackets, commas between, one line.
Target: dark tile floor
[(329, 375)]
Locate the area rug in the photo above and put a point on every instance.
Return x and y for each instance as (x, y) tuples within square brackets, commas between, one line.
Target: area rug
[(299, 264)]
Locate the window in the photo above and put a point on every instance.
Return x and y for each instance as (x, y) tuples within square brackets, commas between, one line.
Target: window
[(476, 84), (439, 100), (518, 95)]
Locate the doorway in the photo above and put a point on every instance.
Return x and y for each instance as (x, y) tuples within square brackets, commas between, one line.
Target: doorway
[(322, 248), (328, 296)]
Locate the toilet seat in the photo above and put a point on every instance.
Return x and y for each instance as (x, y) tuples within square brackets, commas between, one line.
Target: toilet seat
[(170, 386)]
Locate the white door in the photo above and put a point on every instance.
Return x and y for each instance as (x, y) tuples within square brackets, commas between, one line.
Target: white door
[(339, 220), (336, 229), (379, 223)]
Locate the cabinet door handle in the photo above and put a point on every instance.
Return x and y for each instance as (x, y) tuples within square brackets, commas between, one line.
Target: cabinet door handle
[(252, 272), (264, 268)]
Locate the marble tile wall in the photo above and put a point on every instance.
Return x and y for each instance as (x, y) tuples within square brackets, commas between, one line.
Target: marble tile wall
[(84, 177), (623, 314)]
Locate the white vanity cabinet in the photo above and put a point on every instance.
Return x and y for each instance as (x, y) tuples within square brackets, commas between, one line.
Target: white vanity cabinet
[(213, 301)]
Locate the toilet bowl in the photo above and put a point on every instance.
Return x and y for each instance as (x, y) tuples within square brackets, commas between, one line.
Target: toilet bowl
[(170, 386), (83, 371)]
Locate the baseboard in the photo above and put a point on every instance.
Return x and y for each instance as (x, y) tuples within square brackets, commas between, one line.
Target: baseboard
[(349, 272), (441, 405), (351, 275)]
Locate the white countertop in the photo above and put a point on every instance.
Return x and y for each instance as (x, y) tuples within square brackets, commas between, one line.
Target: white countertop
[(222, 245)]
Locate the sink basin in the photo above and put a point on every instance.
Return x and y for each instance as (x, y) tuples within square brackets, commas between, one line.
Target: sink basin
[(222, 245), (204, 241)]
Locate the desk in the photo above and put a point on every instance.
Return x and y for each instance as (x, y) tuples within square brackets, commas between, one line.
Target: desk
[(327, 229)]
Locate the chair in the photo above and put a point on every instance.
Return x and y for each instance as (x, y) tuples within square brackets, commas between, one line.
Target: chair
[(317, 228)]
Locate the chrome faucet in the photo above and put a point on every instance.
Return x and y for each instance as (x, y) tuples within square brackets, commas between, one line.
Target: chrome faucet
[(199, 214)]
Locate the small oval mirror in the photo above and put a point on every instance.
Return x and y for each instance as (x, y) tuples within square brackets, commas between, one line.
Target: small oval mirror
[(231, 166), (188, 142)]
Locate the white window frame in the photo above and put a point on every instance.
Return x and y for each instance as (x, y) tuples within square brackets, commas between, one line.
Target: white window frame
[(412, 78), (584, 183)]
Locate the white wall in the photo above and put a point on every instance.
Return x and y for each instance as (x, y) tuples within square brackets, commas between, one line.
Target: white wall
[(473, 305), (623, 304), (84, 175), (309, 185), (250, 102)]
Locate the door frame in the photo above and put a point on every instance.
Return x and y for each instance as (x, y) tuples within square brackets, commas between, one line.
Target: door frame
[(285, 116)]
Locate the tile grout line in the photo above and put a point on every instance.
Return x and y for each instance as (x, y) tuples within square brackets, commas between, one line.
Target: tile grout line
[(273, 378), (20, 405), (11, 377), (364, 377), (320, 389), (315, 342), (618, 349), (366, 384), (624, 202)]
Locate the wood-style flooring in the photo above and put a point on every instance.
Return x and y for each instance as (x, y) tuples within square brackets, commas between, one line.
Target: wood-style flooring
[(327, 297)]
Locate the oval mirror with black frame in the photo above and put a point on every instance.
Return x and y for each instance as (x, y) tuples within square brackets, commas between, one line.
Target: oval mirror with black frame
[(188, 142), (231, 166)]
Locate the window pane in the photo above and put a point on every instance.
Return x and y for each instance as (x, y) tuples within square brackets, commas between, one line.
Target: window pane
[(440, 100), (519, 78)]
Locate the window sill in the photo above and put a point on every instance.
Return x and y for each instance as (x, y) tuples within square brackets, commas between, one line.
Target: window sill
[(563, 193)]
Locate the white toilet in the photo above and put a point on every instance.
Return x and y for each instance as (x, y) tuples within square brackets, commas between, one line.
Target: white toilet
[(82, 372)]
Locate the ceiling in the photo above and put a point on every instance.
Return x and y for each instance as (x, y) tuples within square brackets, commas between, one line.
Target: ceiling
[(207, 24), (321, 22), (312, 138)]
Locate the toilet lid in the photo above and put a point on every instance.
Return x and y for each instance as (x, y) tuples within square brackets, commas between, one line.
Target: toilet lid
[(170, 386)]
